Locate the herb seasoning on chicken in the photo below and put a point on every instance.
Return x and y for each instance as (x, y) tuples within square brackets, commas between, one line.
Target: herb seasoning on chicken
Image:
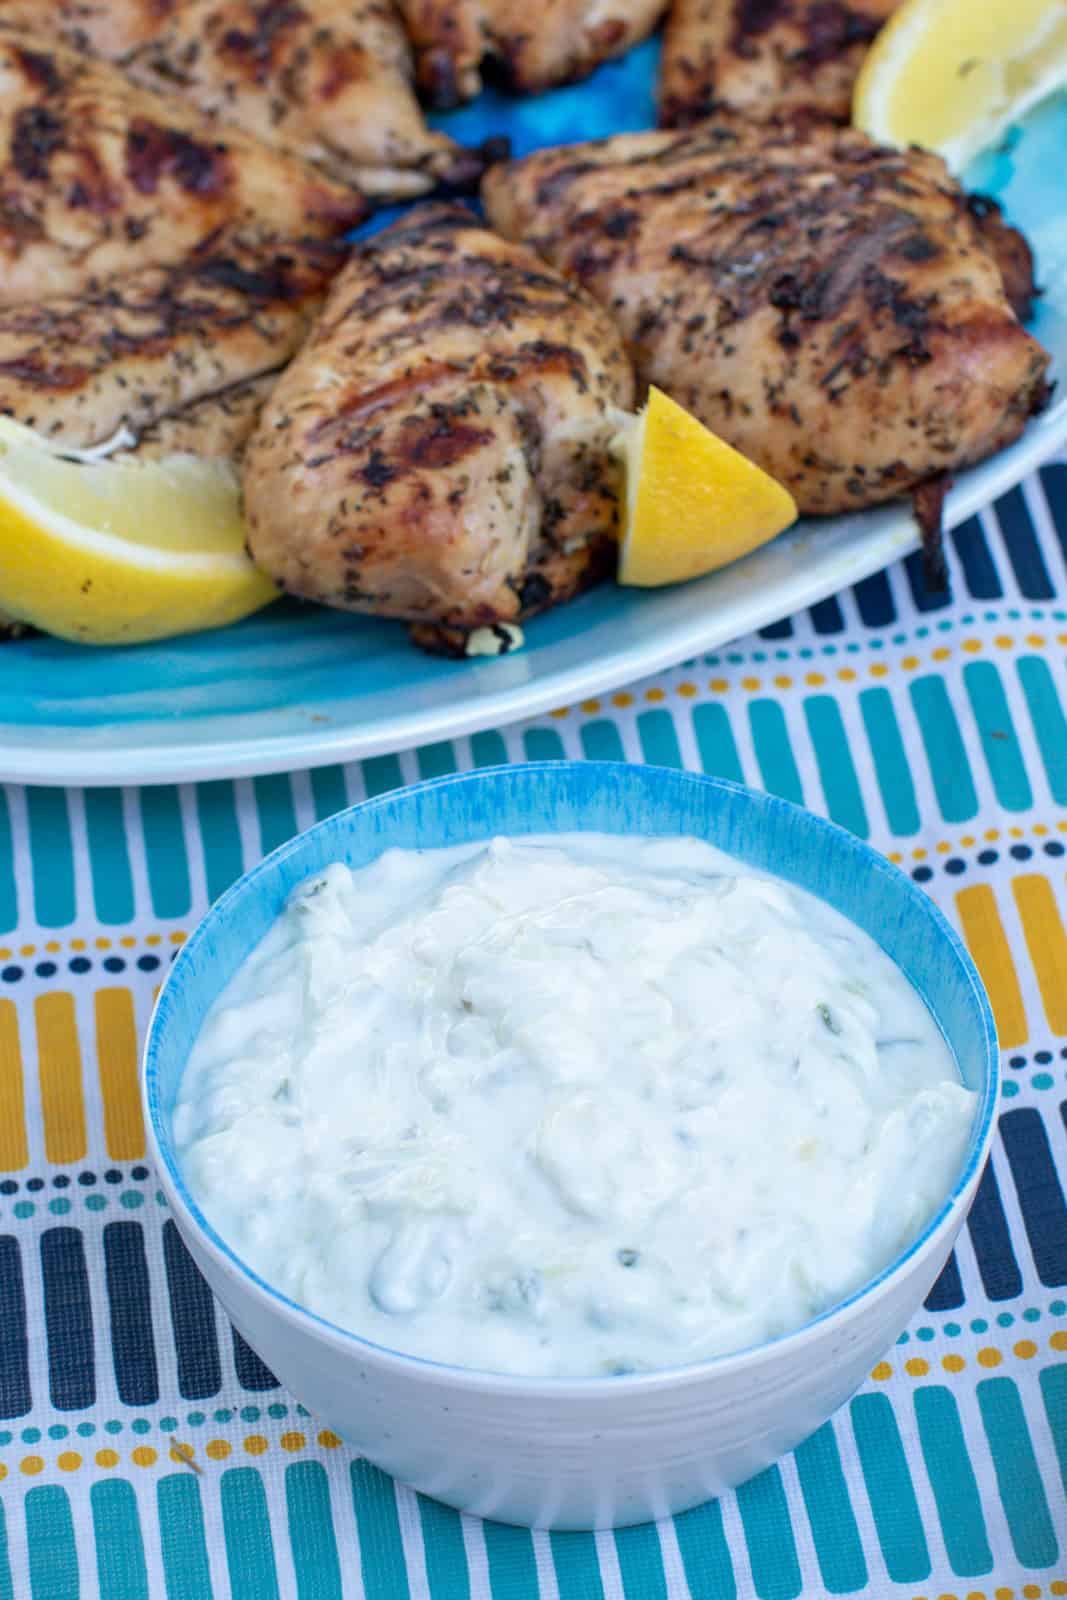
[(438, 451)]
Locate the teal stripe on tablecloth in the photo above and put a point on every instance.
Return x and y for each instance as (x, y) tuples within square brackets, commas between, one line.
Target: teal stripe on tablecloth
[(601, 741), (641, 1562), (329, 793), (381, 1549), (186, 1570), (948, 1466), (109, 857), (889, 1489), (577, 1566), (774, 753), (890, 761), (838, 1546), (220, 835), (709, 1572), (164, 843), (945, 752), (311, 1536), (488, 750), (1022, 1493), (381, 773), (9, 904), (275, 809), (512, 1563), (841, 786), (53, 1556), (769, 1536), (1054, 1397), (120, 1562), (659, 741), (445, 1552), (1050, 725), (436, 760), (1000, 746), (51, 856), (542, 744), (7, 1588), (246, 1528), (715, 742)]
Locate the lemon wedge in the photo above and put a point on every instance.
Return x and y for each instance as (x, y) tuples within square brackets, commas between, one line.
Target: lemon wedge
[(954, 74), (693, 502), (119, 552)]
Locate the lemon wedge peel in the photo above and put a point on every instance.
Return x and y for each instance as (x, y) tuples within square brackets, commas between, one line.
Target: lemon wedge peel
[(152, 549), (953, 75), (693, 503)]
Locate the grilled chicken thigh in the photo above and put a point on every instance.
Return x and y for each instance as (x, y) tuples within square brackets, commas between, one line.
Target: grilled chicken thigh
[(99, 178), (329, 81), (536, 45), (438, 451), (138, 349), (831, 308), (218, 426), (764, 57)]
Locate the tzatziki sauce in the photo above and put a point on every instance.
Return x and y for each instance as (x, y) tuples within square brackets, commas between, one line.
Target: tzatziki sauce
[(568, 1105)]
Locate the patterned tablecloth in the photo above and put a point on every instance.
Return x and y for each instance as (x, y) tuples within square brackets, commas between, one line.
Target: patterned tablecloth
[(146, 1451)]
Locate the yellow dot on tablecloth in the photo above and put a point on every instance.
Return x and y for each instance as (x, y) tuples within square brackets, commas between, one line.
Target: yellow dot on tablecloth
[(3, 1472), (255, 1444), (783, 681), (916, 1367), (1003, 641), (590, 707), (217, 1449), (947, 1597), (815, 679), (972, 646), (909, 663), (27, 949), (991, 834), (77, 944), (719, 685), (918, 854), (943, 848), (1017, 833), (328, 1439), (1004, 1594), (1059, 1341), (1061, 638), (988, 1357), (1032, 1591), (178, 937), (953, 1363), (32, 1465), (292, 1441), (127, 941), (53, 947), (623, 701), (687, 690), (69, 1461), (942, 653), (1041, 828), (1057, 1586), (846, 674), (102, 943), (1037, 640), (752, 684), (107, 1458), (655, 695), (881, 1372), (895, 857), (878, 669), (1026, 1349), (976, 1594), (153, 938), (5, 953), (145, 1456), (968, 840), (560, 712)]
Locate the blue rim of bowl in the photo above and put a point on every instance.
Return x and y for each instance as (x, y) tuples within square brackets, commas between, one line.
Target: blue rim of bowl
[(178, 1196)]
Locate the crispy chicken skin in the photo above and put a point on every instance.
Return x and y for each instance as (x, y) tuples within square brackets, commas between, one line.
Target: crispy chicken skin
[(98, 178), (829, 307), (329, 81), (137, 349), (438, 451), (765, 58), (536, 45)]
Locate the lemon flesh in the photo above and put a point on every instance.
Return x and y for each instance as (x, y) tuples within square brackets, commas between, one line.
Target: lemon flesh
[(693, 502), (120, 552), (953, 75)]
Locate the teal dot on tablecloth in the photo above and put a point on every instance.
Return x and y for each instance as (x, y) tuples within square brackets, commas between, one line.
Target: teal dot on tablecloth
[(1005, 1319), (1014, 613), (223, 1416), (113, 1427), (979, 1325), (195, 1418), (805, 654), (96, 1202), (905, 1338), (58, 1431), (168, 1424), (1057, 1308), (30, 1435), (5, 1437), (1042, 1080), (1009, 1090), (24, 1208), (303, 1411), (923, 632), (161, 1198), (59, 1207), (86, 1429), (131, 1199), (250, 1414), (925, 1334), (140, 1425), (1031, 1314), (953, 1330), (277, 1410), (876, 644)]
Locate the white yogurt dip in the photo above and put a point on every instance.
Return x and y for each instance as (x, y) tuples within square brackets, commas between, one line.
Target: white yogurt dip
[(568, 1105)]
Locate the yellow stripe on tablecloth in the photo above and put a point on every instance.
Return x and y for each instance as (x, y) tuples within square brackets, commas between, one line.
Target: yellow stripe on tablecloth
[(59, 1069), (14, 1148), (116, 1054), (1046, 942), (988, 944)]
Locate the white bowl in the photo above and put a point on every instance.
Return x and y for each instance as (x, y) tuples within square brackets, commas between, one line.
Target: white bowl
[(597, 1452)]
